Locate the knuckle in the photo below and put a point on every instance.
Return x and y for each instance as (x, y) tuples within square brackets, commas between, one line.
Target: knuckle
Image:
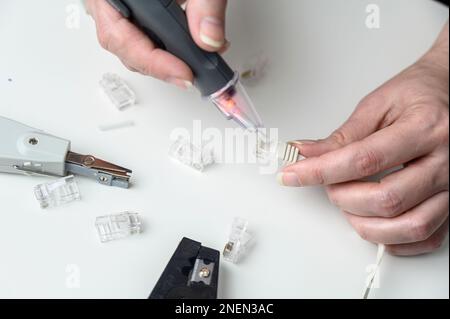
[(420, 230), (149, 67), (128, 66), (438, 173), (436, 243), (368, 162), (104, 38), (390, 203), (362, 232), (339, 137), (146, 69), (432, 120), (318, 175), (333, 196), (371, 101), (392, 250), (442, 130)]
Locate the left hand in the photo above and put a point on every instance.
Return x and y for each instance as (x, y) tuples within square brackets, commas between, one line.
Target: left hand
[(403, 123)]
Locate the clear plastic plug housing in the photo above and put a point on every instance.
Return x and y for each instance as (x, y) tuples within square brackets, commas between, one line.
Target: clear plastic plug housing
[(276, 151), (117, 91), (198, 158), (254, 69), (238, 241), (234, 102), (57, 193), (117, 226)]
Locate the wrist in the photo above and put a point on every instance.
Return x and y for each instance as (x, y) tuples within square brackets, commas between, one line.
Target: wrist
[(438, 55)]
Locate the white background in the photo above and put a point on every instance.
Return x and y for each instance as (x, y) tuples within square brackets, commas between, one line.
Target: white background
[(323, 61)]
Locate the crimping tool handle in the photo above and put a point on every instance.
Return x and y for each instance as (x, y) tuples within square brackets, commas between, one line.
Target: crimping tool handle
[(165, 22), (25, 150)]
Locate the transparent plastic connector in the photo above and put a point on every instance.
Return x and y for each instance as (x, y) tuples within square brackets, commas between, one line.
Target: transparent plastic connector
[(266, 149), (117, 91), (238, 241), (117, 226), (198, 158), (254, 69), (57, 193), (276, 151)]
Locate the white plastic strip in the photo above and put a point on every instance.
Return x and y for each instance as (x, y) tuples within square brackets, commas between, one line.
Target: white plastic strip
[(115, 126)]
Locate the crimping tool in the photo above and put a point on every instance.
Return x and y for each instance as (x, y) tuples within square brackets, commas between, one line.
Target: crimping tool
[(28, 151)]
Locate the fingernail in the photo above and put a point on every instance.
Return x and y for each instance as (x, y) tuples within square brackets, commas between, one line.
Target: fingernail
[(182, 84), (211, 32), (288, 179), (225, 47), (188, 85)]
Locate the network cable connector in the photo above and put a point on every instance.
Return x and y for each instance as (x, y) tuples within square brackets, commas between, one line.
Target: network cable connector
[(198, 158), (238, 241), (57, 193), (118, 91), (289, 154), (254, 69), (118, 226), (283, 153)]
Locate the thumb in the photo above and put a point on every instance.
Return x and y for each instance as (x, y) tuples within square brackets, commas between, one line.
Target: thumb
[(207, 23), (365, 120)]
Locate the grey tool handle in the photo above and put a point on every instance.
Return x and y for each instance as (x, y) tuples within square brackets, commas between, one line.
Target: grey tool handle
[(165, 22), (25, 150)]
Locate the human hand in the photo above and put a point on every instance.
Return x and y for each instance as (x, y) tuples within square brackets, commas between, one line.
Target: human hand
[(138, 53), (405, 123)]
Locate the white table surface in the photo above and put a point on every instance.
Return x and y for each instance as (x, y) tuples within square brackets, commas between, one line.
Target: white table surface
[(323, 61)]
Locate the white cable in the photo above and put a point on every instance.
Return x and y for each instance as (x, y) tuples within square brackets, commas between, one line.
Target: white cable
[(369, 284)]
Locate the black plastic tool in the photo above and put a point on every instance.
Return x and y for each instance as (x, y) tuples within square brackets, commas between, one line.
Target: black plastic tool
[(165, 22), (192, 273)]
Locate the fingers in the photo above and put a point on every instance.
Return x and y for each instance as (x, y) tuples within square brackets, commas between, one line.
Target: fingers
[(119, 36), (396, 193), (416, 225), (384, 149), (431, 244), (369, 116), (207, 23)]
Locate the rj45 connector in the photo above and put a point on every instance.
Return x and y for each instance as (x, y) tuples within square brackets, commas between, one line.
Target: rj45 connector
[(118, 226), (57, 193)]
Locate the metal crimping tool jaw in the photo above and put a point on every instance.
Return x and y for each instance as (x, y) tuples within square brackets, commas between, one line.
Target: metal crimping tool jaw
[(104, 172), (28, 151), (192, 273)]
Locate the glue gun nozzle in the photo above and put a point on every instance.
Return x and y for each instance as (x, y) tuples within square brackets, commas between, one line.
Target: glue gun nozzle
[(234, 102)]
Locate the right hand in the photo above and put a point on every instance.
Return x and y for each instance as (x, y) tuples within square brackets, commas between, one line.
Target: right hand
[(139, 54)]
